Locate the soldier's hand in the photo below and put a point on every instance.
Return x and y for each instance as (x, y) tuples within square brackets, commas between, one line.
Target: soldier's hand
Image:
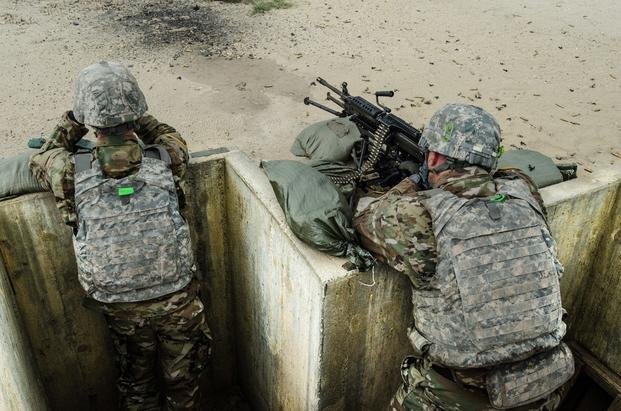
[(72, 119), (67, 133)]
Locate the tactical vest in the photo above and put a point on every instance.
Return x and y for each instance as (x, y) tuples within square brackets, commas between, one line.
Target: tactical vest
[(495, 297), (132, 244)]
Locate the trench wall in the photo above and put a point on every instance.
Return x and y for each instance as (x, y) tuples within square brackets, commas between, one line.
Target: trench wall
[(20, 386), (585, 219), (293, 328), (69, 343), (278, 295), (310, 334)]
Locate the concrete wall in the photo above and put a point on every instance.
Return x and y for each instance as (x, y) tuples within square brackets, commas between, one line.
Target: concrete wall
[(292, 327), (362, 328), (20, 385), (365, 316), (585, 218), (278, 297), (310, 335), (69, 343), (206, 212)]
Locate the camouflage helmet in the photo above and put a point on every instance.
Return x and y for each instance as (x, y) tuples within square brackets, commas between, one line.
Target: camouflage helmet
[(106, 95), (464, 133)]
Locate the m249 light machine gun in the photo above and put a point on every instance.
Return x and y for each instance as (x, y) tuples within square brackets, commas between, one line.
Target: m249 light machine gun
[(389, 151)]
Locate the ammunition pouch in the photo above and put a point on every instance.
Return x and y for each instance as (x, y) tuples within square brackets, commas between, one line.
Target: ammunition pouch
[(516, 384)]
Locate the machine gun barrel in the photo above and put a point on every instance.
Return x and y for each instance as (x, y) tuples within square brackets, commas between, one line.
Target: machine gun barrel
[(331, 87)]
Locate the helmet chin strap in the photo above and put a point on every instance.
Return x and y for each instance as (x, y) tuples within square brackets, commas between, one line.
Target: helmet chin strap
[(422, 177), (442, 167), (451, 164)]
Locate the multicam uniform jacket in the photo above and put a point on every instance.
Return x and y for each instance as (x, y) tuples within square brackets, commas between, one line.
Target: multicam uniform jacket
[(53, 166)]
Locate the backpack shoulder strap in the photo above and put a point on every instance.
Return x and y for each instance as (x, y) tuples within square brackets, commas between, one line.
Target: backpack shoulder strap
[(441, 205), (83, 160), (519, 189), (157, 152)]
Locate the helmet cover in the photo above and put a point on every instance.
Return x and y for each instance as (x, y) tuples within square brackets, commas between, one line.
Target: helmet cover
[(106, 95), (464, 133)]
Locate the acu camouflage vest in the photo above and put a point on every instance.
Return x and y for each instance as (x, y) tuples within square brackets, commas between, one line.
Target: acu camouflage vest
[(132, 243), (495, 297)]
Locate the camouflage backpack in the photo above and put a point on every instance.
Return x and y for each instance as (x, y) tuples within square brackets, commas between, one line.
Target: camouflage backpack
[(495, 296), (494, 300), (132, 244)]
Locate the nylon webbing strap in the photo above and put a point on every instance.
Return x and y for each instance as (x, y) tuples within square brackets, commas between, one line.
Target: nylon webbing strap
[(494, 210), (157, 152), (83, 160)]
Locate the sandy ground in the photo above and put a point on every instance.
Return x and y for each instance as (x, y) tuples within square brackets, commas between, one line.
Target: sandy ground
[(548, 70)]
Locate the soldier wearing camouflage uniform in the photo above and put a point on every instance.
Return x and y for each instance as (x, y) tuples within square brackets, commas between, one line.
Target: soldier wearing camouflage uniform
[(132, 245), (485, 278)]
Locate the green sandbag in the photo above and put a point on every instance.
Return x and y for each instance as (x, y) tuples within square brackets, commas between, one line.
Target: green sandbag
[(330, 140), (15, 176), (537, 166), (315, 210), (336, 169)]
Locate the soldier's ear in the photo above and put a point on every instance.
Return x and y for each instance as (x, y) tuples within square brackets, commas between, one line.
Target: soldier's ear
[(435, 160)]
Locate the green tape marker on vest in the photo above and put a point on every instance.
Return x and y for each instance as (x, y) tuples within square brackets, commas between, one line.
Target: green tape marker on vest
[(125, 191), (498, 198)]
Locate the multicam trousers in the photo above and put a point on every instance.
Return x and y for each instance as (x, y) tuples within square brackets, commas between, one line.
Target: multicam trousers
[(426, 389), (169, 332)]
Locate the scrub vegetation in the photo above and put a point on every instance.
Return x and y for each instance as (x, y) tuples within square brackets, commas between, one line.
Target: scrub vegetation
[(261, 6)]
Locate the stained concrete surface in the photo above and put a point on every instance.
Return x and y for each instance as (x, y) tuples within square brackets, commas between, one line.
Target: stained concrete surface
[(585, 219), (69, 343), (314, 335), (20, 385)]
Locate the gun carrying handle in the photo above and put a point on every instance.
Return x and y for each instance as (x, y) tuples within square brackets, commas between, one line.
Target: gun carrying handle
[(386, 93)]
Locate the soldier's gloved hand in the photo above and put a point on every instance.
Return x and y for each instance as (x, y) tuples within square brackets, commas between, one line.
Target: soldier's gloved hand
[(71, 118), (66, 134)]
